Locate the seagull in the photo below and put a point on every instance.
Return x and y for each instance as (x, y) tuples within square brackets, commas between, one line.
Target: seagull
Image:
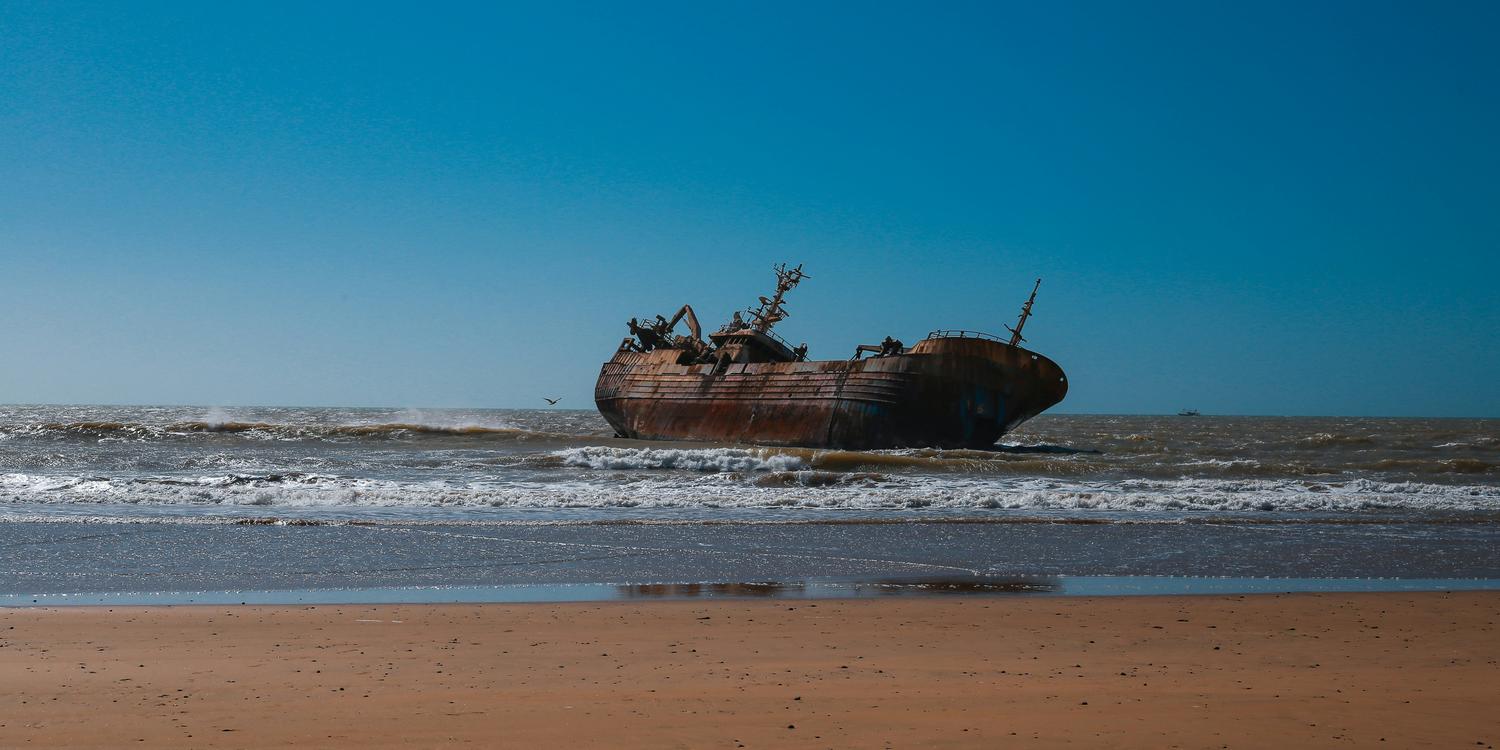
[(552, 401)]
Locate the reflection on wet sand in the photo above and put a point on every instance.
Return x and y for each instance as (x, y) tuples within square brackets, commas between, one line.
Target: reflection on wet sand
[(711, 590), (899, 586), (853, 588)]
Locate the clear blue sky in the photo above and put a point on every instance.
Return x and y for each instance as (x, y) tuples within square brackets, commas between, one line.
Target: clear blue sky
[(1261, 208)]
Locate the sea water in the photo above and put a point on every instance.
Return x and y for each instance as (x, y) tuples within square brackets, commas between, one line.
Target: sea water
[(100, 499)]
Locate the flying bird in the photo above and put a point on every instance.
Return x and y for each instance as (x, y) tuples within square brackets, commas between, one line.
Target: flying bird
[(552, 401)]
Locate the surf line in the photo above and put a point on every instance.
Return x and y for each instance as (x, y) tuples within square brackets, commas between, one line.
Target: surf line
[(708, 550)]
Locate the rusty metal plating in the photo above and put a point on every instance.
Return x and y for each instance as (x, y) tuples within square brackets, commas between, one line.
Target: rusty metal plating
[(748, 385)]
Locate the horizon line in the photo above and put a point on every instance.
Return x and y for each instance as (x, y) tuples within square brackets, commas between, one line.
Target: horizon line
[(1053, 413)]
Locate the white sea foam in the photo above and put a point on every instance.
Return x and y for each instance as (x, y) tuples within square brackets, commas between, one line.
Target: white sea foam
[(216, 416), (727, 488), (443, 420), (692, 459)]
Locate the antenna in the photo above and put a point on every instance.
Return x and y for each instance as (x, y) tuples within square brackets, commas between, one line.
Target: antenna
[(771, 310), (1015, 333)]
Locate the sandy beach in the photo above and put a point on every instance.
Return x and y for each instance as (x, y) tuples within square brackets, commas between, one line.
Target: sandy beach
[(1271, 670)]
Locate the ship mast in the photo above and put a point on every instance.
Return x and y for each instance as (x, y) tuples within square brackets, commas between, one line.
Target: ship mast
[(1015, 333), (771, 311)]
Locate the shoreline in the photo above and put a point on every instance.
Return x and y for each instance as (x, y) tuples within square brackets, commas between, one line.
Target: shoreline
[(1131, 671), (60, 558), (853, 588)]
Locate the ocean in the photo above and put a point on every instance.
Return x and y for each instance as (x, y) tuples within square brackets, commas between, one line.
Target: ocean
[(152, 499)]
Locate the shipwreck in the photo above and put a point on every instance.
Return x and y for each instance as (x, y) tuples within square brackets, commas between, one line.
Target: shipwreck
[(745, 384)]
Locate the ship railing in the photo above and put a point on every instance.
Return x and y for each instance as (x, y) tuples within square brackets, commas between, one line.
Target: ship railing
[(955, 333), (727, 328), (773, 335)]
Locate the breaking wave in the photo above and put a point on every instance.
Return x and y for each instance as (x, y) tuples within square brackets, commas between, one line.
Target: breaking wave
[(793, 459), (108, 430), (1430, 466), (694, 459), (786, 488), (480, 464), (1046, 460), (1322, 439)]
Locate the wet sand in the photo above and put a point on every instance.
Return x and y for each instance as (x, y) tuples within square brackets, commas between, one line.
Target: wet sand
[(1263, 670)]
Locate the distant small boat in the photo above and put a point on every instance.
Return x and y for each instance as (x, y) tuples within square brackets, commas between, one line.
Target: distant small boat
[(1188, 413)]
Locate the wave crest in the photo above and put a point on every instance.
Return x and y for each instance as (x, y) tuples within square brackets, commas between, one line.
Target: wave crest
[(785, 489), (695, 459), (105, 430)]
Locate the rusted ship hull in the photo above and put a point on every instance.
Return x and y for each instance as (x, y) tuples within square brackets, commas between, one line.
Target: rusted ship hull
[(943, 392)]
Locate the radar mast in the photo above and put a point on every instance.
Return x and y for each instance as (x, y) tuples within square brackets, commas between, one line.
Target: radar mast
[(1015, 333), (771, 310)]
